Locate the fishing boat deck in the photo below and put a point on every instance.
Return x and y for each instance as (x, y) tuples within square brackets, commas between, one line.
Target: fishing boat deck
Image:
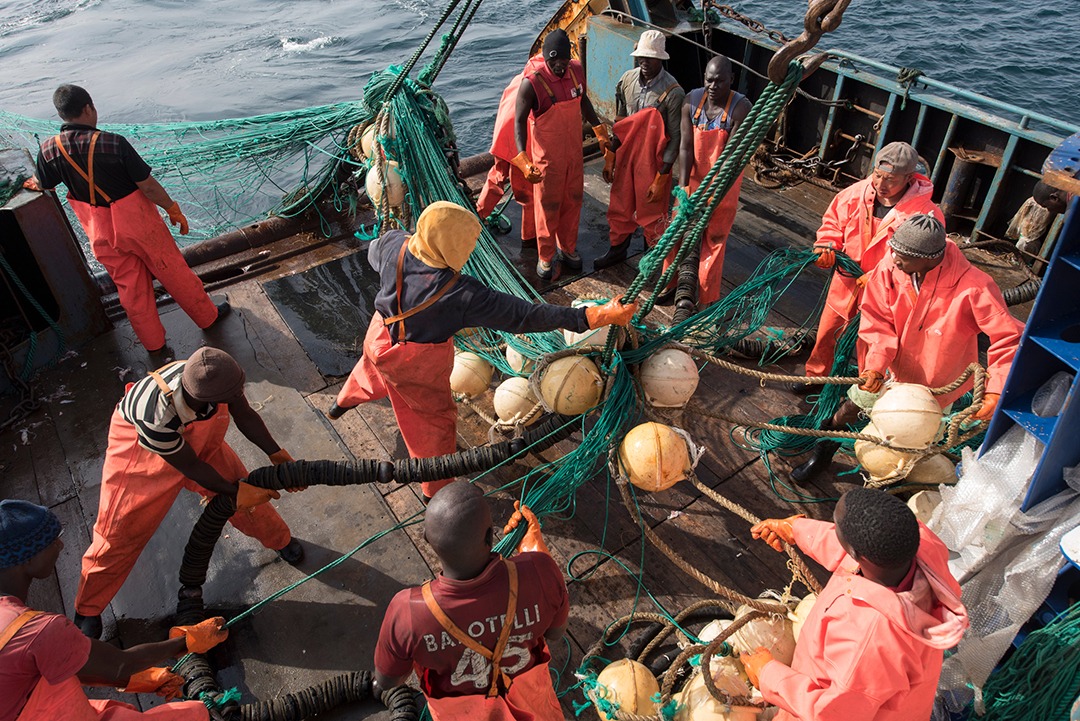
[(329, 625)]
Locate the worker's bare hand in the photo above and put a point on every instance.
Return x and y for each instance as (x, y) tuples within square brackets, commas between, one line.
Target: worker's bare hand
[(31, 183), (609, 167)]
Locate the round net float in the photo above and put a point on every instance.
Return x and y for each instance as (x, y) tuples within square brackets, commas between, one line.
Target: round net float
[(367, 141), (571, 385), (907, 415), (514, 400), (932, 470), (654, 457), (596, 338), (471, 374), (798, 616), (923, 503), (772, 632), (669, 378), (695, 703), (395, 186), (518, 362), (879, 461), (629, 684)]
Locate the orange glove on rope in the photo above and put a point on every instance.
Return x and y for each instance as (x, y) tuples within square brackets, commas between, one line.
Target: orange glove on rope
[(826, 257), (754, 662), (655, 193), (990, 401), (249, 496), (609, 167), (282, 456), (202, 636), (775, 530), (603, 137), (157, 680), (534, 539), (862, 280), (31, 183), (611, 313), (532, 173), (177, 218), (871, 381)]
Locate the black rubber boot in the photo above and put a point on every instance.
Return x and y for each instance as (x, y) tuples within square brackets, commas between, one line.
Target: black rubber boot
[(335, 412), (823, 455), (616, 254), (89, 625), (223, 309), (801, 389), (293, 553)]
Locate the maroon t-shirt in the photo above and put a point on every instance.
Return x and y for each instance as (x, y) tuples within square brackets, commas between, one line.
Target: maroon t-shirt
[(411, 636)]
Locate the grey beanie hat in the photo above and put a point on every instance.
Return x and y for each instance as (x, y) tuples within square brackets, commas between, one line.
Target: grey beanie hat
[(920, 236)]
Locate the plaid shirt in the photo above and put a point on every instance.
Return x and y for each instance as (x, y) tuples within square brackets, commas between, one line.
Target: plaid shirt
[(117, 166)]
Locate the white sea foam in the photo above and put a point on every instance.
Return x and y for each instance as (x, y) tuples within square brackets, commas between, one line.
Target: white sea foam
[(298, 45)]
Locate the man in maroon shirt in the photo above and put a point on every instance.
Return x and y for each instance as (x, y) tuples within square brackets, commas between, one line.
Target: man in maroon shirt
[(481, 611)]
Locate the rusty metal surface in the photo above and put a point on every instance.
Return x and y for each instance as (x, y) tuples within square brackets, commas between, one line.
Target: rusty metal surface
[(571, 17)]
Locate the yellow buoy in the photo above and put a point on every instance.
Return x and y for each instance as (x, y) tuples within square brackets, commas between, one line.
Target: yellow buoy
[(395, 187), (933, 471), (771, 632), (923, 504), (798, 616), (367, 141), (654, 457), (629, 684), (518, 362), (514, 400), (669, 378), (471, 374), (907, 415), (571, 385), (695, 703), (880, 462)]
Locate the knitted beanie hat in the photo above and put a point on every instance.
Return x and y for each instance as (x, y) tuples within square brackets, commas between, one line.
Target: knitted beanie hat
[(212, 375), (920, 236), (26, 529)]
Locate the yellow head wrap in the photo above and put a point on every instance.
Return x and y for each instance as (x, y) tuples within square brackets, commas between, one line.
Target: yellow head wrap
[(445, 235)]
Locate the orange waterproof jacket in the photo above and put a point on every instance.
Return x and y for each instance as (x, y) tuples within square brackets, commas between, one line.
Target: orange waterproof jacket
[(930, 337), (849, 225), (865, 651)]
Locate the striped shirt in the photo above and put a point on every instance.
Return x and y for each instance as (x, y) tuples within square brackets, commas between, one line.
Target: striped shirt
[(159, 422)]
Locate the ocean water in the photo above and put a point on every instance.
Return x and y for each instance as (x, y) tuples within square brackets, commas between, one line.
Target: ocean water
[(171, 60)]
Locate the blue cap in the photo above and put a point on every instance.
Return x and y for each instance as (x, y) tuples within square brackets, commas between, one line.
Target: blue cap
[(26, 529)]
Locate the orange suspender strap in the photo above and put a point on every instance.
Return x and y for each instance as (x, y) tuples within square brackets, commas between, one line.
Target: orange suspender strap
[(701, 105), (13, 628), (156, 375), (94, 190), (401, 316), (667, 92), (496, 655), (550, 92)]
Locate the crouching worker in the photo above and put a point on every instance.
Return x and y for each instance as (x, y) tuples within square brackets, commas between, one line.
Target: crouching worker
[(872, 647), (423, 300), (45, 659), (166, 434), (477, 636), (922, 312)]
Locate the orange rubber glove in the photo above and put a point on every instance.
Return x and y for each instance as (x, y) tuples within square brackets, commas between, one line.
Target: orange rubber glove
[(249, 496), (871, 381), (990, 401), (532, 173), (533, 539), (282, 456), (609, 167), (157, 680), (754, 662), (31, 183), (177, 218), (862, 280), (603, 137), (655, 193), (776, 531), (202, 636), (826, 257), (613, 312)]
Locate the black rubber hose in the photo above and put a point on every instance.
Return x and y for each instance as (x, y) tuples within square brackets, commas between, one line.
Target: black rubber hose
[(1022, 293), (410, 470), (686, 290), (311, 701), (200, 545)]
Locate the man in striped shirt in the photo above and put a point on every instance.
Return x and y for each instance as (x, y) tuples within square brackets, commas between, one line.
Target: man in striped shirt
[(168, 433)]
